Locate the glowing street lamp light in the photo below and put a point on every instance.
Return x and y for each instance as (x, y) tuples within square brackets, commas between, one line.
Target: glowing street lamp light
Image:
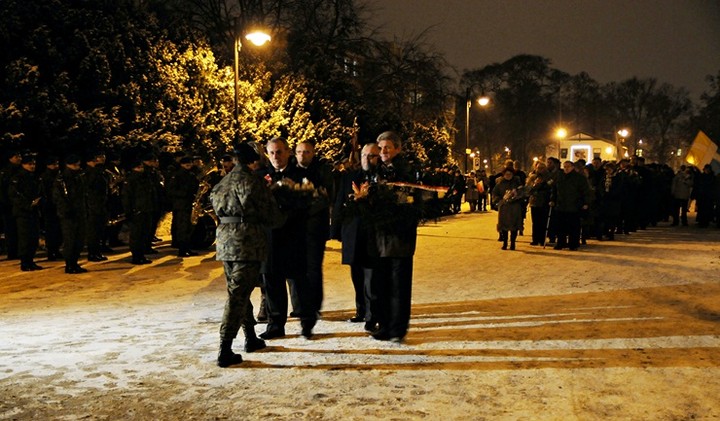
[(620, 140), (258, 38)]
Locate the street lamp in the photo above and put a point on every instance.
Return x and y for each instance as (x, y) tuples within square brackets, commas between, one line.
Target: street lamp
[(483, 101), (622, 134), (258, 38), (560, 134)]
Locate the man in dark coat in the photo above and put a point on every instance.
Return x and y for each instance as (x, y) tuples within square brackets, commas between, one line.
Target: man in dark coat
[(70, 197), (246, 208), (25, 193), (396, 248), (287, 254), (358, 241), (317, 229), (570, 195), (181, 190)]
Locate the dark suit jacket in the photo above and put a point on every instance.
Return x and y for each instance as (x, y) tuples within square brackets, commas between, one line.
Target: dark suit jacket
[(357, 236), (287, 246)]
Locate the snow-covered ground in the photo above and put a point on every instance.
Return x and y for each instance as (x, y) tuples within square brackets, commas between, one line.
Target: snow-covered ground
[(628, 329)]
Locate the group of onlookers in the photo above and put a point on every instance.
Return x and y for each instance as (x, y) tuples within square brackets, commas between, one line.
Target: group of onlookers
[(574, 201)]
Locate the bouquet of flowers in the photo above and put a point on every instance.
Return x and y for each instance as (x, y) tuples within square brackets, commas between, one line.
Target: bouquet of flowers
[(290, 194), (512, 195)]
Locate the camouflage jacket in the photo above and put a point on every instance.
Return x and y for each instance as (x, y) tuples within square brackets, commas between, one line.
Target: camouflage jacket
[(246, 197)]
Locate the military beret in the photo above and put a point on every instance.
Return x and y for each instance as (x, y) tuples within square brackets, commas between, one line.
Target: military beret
[(28, 158), (186, 160)]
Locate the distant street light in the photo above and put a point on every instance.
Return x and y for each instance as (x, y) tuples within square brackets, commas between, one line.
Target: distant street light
[(483, 101), (560, 134), (620, 141), (258, 38)]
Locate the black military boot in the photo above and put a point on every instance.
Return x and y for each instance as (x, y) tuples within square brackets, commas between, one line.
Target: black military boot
[(252, 342), (504, 238), (226, 357), (513, 237)]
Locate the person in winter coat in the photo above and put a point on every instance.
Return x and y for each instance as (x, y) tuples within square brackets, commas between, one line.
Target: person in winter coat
[(539, 199), (508, 197), (471, 191), (570, 196), (681, 188), (704, 189), (456, 191)]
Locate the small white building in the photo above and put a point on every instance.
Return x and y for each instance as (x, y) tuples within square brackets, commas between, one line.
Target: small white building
[(582, 146)]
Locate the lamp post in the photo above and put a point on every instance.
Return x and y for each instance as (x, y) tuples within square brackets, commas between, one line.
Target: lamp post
[(622, 134), (258, 38), (560, 134), (467, 126), (483, 101)]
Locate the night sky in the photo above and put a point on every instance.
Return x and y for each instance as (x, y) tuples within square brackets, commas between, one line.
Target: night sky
[(674, 41)]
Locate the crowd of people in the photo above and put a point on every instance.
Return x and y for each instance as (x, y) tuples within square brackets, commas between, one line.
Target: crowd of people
[(274, 220), (276, 207), (576, 201)]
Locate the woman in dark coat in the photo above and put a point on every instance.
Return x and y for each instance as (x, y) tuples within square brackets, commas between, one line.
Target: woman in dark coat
[(539, 199), (508, 194)]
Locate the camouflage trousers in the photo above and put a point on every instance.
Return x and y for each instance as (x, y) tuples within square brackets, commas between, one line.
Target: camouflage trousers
[(241, 278)]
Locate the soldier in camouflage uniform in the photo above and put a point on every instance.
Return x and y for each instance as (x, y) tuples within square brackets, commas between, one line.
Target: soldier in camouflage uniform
[(11, 169), (70, 197), (139, 197), (245, 207), (50, 220), (25, 194), (98, 192), (182, 187)]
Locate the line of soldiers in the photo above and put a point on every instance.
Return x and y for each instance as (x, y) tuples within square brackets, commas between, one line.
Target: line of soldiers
[(69, 206), (86, 205)]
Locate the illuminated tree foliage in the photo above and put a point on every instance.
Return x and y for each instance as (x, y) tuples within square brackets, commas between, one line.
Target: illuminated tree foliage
[(153, 75)]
